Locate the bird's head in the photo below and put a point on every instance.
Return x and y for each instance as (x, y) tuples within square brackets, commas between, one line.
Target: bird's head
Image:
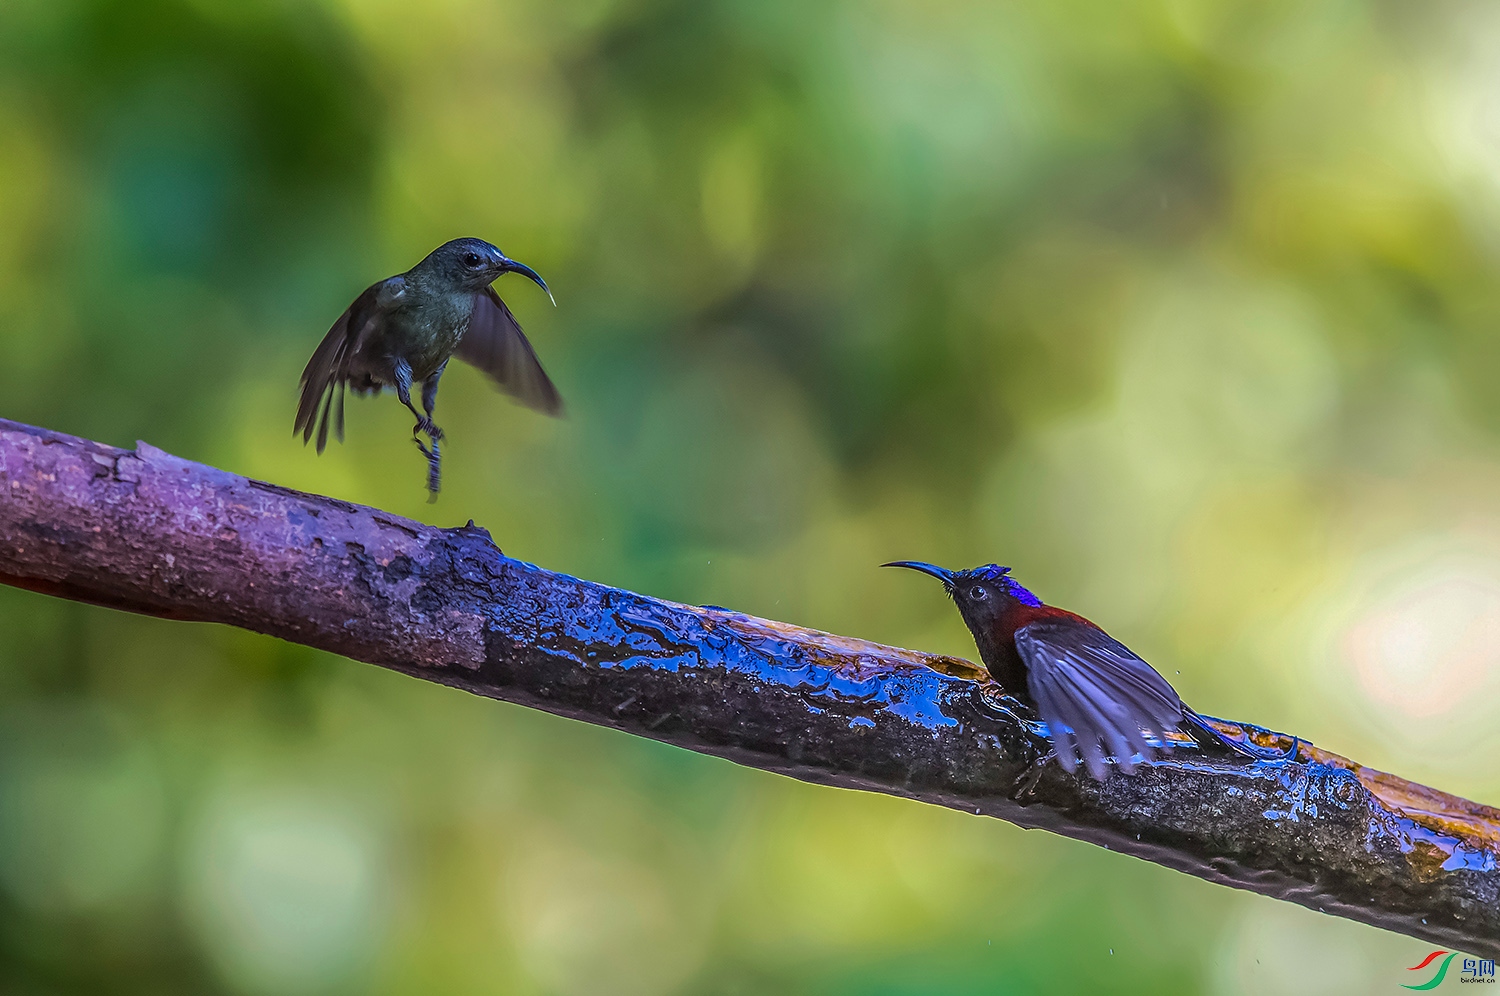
[(473, 264), (981, 594)]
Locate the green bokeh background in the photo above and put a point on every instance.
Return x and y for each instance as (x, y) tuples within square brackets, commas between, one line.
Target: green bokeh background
[(1186, 309)]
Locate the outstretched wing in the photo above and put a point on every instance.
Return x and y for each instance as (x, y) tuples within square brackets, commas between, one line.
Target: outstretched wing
[(1092, 690), (328, 371), (495, 344)]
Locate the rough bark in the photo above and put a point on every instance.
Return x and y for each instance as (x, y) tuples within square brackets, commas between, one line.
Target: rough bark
[(147, 532)]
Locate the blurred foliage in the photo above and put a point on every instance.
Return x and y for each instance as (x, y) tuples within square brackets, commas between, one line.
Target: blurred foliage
[(1185, 309)]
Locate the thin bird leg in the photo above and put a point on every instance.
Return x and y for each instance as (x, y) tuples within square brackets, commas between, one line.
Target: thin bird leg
[(402, 370), (424, 424), (434, 460), (1027, 781), (429, 401)]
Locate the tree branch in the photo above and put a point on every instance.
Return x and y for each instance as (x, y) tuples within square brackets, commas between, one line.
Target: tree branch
[(148, 532)]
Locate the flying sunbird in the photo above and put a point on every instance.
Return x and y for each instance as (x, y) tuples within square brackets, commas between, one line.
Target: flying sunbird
[(404, 330)]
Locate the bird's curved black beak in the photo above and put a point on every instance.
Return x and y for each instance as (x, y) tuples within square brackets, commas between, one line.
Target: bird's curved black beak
[(941, 573), (508, 265)]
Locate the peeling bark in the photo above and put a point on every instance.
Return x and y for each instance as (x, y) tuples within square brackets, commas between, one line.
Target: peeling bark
[(148, 532)]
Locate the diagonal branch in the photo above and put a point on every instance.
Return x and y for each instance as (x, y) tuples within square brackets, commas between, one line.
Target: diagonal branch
[(148, 532)]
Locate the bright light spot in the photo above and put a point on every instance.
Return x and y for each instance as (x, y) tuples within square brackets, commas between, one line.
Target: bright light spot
[(1411, 651), (1463, 92), (1430, 643), (284, 893)]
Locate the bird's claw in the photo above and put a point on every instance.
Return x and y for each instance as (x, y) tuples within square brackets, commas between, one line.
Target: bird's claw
[(1026, 783), (434, 468), (433, 455)]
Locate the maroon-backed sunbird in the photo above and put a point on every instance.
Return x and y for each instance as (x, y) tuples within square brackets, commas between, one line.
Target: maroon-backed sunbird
[(404, 330), (1096, 696)]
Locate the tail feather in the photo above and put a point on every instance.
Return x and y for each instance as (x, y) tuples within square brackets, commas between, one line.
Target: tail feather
[(323, 376), (1248, 749), (323, 418), (338, 412)]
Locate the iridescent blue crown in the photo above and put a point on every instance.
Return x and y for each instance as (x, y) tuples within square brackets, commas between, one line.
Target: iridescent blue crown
[(997, 574)]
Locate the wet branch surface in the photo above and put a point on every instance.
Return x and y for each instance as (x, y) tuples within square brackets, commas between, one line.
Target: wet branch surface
[(148, 532)]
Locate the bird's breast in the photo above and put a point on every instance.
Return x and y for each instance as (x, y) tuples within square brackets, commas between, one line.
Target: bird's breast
[(428, 337), (999, 653)]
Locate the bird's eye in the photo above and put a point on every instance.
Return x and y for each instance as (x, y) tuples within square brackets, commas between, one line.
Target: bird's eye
[(472, 260), (979, 593)]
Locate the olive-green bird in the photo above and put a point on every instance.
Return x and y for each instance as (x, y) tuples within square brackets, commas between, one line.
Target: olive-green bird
[(404, 330)]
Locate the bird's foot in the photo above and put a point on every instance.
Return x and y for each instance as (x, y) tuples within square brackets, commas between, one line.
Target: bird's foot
[(1027, 782), (428, 426), (434, 468)]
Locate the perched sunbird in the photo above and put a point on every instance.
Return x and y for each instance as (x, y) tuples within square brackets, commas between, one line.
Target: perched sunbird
[(404, 330), (1088, 687)]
